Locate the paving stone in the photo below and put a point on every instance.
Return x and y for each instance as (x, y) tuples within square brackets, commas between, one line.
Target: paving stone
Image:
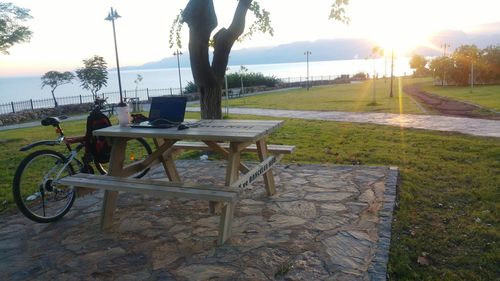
[(334, 207), (280, 221), (367, 196), (301, 209), (328, 196), (206, 272)]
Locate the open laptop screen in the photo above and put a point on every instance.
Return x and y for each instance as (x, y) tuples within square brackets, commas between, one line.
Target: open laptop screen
[(170, 109)]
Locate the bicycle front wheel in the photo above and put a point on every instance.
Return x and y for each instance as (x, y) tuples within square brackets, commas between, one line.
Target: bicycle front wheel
[(35, 188), (137, 150)]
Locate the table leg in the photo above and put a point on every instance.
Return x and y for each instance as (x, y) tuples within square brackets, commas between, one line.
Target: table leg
[(115, 168), (268, 176), (168, 161), (232, 171)]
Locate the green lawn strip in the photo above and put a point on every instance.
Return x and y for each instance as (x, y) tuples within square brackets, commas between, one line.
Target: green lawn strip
[(486, 96), (356, 97), (449, 201)]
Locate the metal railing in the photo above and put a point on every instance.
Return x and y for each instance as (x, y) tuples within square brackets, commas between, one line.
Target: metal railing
[(145, 94), (113, 97)]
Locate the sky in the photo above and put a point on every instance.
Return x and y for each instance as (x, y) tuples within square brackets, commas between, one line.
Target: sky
[(67, 31)]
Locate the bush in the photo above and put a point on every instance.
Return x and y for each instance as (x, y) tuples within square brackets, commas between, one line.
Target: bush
[(250, 80), (190, 88)]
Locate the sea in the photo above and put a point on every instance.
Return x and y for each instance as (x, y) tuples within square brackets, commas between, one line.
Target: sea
[(14, 89)]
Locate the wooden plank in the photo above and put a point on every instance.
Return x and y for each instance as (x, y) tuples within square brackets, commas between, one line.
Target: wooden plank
[(149, 161), (226, 220), (272, 148), (156, 189), (115, 169), (212, 131), (256, 171), (154, 182), (167, 160), (268, 175), (219, 149), (232, 170)]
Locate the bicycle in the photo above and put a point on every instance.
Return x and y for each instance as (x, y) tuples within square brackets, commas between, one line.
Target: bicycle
[(35, 189)]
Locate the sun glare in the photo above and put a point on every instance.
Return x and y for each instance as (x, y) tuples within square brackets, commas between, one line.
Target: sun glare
[(399, 27), (401, 40)]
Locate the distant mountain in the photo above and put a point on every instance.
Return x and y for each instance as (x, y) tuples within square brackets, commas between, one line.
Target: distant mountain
[(337, 49), (485, 35)]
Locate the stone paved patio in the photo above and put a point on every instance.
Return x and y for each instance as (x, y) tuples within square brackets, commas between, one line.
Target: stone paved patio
[(325, 223)]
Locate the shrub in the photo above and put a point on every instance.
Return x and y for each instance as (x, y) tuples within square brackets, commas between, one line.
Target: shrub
[(250, 80), (190, 88)]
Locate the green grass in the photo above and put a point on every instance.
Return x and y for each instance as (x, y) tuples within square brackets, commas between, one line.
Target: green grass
[(486, 96), (449, 196), (341, 97)]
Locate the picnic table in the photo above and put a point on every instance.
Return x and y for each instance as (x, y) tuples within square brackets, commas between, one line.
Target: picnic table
[(226, 137)]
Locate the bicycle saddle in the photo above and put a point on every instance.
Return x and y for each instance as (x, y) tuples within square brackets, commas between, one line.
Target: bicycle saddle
[(54, 121)]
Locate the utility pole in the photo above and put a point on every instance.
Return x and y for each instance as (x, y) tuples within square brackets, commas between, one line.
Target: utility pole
[(179, 53), (392, 71), (444, 46), (307, 53), (471, 75), (374, 100)]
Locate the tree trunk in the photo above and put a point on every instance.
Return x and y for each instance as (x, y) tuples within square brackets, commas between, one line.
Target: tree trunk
[(54, 97), (210, 102), (202, 20)]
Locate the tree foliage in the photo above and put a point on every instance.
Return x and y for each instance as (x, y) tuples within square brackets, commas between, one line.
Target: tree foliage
[(457, 68), (251, 79), (201, 19), (11, 29), (419, 63), (94, 75), (54, 79), (337, 11)]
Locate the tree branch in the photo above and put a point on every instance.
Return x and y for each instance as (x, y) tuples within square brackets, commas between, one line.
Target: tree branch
[(225, 38)]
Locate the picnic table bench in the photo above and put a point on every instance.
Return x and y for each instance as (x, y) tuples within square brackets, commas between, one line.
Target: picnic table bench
[(226, 137)]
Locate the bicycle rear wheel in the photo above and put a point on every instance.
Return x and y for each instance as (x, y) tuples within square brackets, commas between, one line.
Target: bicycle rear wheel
[(137, 150), (36, 193)]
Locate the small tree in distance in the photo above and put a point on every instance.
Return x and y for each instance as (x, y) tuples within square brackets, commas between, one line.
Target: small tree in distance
[(94, 75), (418, 63), (54, 79)]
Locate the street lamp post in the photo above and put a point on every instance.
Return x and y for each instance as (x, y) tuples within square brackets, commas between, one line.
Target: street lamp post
[(179, 53), (392, 71), (307, 53), (112, 15), (444, 46)]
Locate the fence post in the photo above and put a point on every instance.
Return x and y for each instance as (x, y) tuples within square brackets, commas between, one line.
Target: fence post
[(81, 99), (13, 110), (31, 102), (125, 93), (170, 91), (147, 93)]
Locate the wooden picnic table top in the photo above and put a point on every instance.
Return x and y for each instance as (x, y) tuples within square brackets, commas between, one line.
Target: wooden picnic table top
[(202, 130)]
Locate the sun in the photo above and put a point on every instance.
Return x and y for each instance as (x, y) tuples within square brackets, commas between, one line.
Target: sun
[(402, 40), (398, 26)]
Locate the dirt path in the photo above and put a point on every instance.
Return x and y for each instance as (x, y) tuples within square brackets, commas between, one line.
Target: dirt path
[(446, 106)]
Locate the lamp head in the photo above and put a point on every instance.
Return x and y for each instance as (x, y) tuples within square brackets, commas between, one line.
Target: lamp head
[(112, 15)]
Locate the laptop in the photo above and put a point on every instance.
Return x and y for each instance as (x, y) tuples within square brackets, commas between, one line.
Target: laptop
[(165, 112)]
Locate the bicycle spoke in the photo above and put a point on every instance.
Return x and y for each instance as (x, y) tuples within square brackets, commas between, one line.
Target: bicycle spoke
[(43, 203)]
